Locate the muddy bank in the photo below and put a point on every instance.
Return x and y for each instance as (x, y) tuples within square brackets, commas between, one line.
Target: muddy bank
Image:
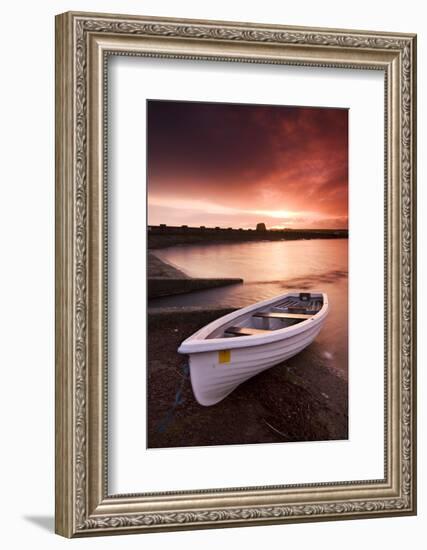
[(300, 400), (165, 280)]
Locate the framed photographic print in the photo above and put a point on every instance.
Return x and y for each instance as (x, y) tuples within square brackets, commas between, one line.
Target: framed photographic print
[(233, 164), (235, 274)]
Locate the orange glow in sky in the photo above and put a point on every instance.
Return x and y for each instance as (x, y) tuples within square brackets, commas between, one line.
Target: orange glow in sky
[(231, 165)]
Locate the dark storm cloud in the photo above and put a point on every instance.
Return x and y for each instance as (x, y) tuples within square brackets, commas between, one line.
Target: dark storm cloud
[(249, 157)]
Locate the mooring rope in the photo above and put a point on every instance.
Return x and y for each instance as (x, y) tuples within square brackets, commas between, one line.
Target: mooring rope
[(164, 424)]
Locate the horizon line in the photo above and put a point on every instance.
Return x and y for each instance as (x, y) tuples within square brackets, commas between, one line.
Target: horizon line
[(249, 228)]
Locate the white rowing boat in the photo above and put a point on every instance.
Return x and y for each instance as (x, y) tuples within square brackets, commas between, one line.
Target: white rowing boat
[(237, 346)]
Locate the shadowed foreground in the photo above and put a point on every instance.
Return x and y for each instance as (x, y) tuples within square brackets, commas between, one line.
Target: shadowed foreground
[(300, 400)]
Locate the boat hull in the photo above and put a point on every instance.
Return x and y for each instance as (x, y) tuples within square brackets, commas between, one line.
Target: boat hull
[(213, 380), (219, 365)]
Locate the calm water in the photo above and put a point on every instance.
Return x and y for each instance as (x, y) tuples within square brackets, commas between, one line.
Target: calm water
[(268, 269)]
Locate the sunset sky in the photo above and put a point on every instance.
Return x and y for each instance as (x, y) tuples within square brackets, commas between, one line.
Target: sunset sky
[(229, 165)]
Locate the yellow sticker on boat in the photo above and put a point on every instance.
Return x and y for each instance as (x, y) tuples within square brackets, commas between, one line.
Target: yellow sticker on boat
[(224, 356)]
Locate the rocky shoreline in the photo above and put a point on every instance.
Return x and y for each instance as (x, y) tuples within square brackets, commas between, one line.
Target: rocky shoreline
[(300, 400)]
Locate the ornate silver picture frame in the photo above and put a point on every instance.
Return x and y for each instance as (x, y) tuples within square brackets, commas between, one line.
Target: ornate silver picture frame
[(84, 42)]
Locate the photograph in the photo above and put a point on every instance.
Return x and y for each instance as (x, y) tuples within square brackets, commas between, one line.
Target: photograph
[(235, 271), (247, 273)]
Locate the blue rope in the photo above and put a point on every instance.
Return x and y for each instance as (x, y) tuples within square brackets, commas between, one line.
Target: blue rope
[(179, 400)]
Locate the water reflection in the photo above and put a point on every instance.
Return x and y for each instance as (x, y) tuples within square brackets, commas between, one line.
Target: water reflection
[(268, 269)]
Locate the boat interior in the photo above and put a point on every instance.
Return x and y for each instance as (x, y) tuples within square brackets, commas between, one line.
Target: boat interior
[(289, 311)]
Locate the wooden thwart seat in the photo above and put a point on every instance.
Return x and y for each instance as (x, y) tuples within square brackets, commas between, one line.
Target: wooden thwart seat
[(245, 331), (276, 315), (297, 309)]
